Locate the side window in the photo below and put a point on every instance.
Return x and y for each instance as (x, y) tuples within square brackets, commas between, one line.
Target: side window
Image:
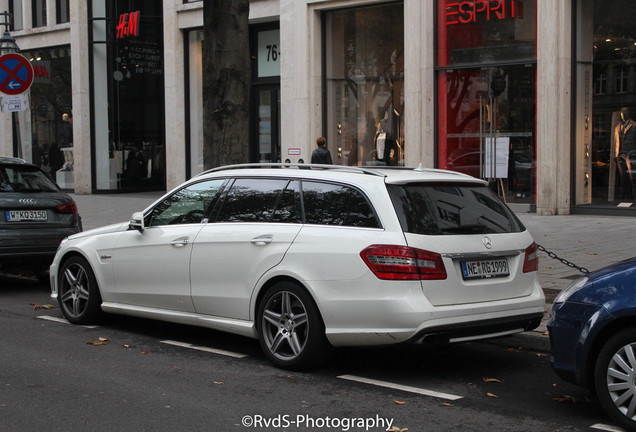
[(288, 209), (251, 200), (330, 204), (186, 206)]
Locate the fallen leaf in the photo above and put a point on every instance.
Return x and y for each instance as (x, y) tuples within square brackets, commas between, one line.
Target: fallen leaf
[(492, 395), (144, 352), (397, 402), (491, 380), (397, 429), (100, 341), (39, 306), (218, 382), (103, 339), (566, 399), (554, 385), (446, 404), (126, 346), (546, 333)]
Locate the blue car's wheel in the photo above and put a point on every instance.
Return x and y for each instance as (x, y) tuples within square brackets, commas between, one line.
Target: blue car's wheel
[(615, 378)]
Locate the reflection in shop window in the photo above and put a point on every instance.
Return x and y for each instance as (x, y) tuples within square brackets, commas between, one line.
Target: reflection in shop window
[(600, 84), (365, 85), (621, 80)]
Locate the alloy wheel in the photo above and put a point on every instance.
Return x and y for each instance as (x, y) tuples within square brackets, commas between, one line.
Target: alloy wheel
[(285, 325)]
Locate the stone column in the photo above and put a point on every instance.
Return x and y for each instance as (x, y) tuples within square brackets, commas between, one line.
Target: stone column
[(174, 73), (419, 82), (80, 87), (554, 106)]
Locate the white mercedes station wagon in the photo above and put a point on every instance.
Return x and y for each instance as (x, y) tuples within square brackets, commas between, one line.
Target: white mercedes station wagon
[(308, 257)]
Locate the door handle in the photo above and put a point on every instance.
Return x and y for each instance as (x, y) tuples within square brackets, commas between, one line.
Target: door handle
[(262, 240), (180, 242)]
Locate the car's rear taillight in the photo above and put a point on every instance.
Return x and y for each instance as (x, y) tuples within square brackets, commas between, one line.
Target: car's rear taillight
[(68, 208), (531, 260), (403, 263)]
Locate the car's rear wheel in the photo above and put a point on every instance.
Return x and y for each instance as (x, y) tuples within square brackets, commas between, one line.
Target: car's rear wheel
[(290, 329), (78, 293), (615, 378)]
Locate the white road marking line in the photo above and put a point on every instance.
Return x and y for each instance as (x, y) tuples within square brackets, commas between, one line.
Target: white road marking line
[(206, 349), (401, 387), (62, 321), (608, 428)]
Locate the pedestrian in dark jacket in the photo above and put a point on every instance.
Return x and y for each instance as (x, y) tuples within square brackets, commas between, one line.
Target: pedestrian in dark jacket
[(321, 155)]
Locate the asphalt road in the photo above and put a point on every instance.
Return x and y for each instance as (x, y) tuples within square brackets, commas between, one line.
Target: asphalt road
[(57, 377)]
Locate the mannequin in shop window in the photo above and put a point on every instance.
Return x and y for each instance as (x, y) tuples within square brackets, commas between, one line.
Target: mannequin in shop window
[(625, 152), (385, 146)]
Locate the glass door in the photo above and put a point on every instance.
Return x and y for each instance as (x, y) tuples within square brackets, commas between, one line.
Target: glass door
[(266, 131), (487, 122)]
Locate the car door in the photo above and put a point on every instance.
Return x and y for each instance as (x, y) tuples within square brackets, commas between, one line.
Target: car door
[(152, 267), (255, 225)]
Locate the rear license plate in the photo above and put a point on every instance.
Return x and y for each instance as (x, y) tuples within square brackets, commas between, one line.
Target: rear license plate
[(25, 215), (482, 269)]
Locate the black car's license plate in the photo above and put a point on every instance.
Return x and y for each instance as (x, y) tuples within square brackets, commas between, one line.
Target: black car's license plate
[(481, 269), (25, 215)]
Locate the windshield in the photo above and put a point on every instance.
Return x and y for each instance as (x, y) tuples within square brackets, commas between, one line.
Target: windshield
[(451, 209), (25, 178)]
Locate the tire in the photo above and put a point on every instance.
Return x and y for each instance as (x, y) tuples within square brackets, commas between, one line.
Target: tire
[(614, 378), (290, 329), (78, 293)]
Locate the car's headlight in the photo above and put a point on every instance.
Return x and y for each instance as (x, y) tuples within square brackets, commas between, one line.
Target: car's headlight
[(571, 289)]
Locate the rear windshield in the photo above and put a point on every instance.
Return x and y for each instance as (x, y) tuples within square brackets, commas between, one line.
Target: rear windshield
[(452, 209), (25, 178)]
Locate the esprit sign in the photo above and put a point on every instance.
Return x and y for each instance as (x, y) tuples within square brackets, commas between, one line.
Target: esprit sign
[(465, 12), (128, 25)]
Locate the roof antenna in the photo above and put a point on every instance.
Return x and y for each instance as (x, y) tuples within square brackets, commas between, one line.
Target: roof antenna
[(419, 167)]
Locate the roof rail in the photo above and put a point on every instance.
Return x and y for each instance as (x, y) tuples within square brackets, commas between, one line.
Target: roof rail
[(360, 170), (12, 159)]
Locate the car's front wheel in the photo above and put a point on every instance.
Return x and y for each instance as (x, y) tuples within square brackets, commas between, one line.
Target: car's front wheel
[(615, 378), (290, 329), (78, 293)]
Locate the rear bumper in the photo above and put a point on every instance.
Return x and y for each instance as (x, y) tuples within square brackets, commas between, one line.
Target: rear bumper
[(476, 330), (409, 318)]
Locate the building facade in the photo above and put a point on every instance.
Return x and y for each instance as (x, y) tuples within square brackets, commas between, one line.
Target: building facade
[(534, 96)]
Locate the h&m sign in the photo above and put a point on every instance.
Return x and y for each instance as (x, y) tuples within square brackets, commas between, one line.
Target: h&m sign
[(128, 24), (466, 12)]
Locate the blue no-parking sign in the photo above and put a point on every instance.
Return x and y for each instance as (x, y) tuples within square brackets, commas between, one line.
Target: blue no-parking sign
[(16, 74)]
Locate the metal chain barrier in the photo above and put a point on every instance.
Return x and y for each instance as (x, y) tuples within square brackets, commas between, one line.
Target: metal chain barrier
[(563, 261)]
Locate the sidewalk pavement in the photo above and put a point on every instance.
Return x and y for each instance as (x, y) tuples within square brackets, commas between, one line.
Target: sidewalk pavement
[(590, 242)]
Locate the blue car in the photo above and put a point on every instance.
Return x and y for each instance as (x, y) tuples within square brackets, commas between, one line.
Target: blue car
[(593, 338)]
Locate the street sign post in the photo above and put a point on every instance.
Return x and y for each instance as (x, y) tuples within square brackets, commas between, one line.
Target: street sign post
[(16, 74)]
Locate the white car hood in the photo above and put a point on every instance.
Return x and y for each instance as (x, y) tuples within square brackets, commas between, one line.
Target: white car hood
[(121, 226)]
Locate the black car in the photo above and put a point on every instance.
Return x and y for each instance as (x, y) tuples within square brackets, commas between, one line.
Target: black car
[(36, 216)]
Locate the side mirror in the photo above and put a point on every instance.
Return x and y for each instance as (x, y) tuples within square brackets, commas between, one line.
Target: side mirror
[(137, 221)]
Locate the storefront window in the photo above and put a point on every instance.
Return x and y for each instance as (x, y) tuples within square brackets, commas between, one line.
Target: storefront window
[(365, 85), (48, 128), (611, 44), (129, 146), (486, 74)]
